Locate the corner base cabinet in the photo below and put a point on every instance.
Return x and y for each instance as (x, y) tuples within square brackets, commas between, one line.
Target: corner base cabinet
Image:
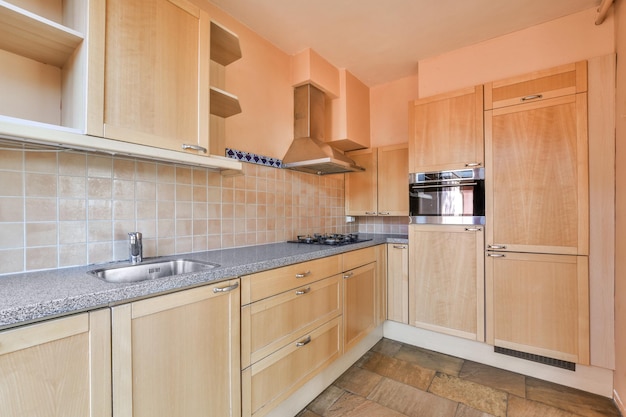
[(60, 367), (178, 354)]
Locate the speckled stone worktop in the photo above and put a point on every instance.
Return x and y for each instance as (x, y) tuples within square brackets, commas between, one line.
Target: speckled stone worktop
[(34, 296)]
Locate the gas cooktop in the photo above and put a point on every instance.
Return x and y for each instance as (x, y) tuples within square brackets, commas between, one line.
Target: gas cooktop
[(328, 239)]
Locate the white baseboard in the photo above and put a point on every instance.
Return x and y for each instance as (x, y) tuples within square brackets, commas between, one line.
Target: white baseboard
[(587, 378), (619, 403), (301, 398)]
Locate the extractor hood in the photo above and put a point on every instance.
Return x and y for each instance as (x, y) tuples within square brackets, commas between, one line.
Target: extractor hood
[(308, 151)]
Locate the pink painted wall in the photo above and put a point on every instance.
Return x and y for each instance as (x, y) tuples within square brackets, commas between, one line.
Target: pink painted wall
[(569, 39), (389, 115), (620, 244)]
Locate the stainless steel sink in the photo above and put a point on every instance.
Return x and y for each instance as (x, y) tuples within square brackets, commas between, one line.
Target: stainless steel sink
[(150, 270)]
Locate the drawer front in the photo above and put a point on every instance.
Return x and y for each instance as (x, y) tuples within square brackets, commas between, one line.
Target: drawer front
[(359, 257), (268, 283), (269, 381), (267, 325)]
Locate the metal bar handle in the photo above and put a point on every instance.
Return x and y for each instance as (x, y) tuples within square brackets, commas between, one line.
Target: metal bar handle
[(226, 289), (194, 147), (497, 255), (456, 184), (303, 274), (496, 246), (348, 275), (473, 229), (532, 97), (383, 213), (304, 341), (473, 164), (399, 246), (370, 213), (304, 291)]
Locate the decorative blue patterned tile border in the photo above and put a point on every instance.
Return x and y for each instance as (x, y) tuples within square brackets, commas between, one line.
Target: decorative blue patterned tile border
[(253, 158)]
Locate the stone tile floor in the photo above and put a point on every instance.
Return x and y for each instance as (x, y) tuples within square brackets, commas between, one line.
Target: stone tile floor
[(398, 380)]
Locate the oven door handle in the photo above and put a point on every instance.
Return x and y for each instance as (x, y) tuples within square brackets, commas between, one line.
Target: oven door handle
[(420, 187)]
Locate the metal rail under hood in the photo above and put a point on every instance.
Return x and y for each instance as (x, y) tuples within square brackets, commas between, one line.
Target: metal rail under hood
[(308, 152)]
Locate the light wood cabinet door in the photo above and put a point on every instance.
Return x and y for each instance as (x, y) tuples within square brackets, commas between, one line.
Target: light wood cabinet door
[(537, 188), (269, 324), (446, 131), (446, 279), (178, 354), (361, 188), (381, 284), (359, 304), (157, 57), (398, 282), (393, 180), (539, 304), (60, 367), (382, 189), (268, 382)]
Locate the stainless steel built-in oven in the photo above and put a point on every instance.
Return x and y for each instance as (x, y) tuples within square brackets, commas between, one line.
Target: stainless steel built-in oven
[(447, 197)]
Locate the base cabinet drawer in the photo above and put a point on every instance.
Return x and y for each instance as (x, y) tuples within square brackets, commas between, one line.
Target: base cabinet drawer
[(268, 324), (267, 382)]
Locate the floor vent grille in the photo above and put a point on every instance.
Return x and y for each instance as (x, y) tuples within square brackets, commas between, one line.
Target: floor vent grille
[(570, 366)]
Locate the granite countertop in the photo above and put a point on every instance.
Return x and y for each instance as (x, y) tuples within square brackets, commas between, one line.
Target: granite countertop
[(34, 296)]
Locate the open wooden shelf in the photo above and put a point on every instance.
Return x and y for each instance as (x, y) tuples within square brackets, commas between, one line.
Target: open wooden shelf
[(224, 104), (224, 45), (32, 36)]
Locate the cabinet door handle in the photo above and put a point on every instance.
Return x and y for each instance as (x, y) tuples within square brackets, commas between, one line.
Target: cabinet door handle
[(370, 213), (399, 246), (383, 213), (226, 289), (304, 291), (531, 97), (497, 255), (348, 275), (194, 147), (304, 341), (473, 229), (473, 164), (303, 274), (496, 246)]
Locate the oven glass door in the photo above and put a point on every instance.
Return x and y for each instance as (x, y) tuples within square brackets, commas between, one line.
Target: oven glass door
[(448, 204)]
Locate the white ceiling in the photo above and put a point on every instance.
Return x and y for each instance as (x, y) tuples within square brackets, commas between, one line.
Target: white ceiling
[(382, 40)]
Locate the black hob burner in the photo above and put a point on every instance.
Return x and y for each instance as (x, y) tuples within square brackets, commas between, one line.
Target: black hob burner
[(329, 239)]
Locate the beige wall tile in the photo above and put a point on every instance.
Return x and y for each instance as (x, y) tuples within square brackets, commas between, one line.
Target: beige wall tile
[(12, 159), (100, 231), (72, 232), (148, 228), (166, 192), (184, 228), (45, 162), (146, 210), (199, 176), (72, 255), (74, 164), (72, 209), (11, 209), (41, 258), (100, 210), (145, 190), (166, 246), (199, 194), (11, 260), (183, 192), (99, 166), (100, 252), (99, 188), (11, 235), (183, 175), (184, 244), (41, 209), (200, 243), (214, 179), (200, 210), (123, 190), (166, 209), (146, 171), (41, 234), (123, 209), (166, 228), (72, 187), (214, 211), (166, 173), (121, 229), (11, 184), (184, 210), (41, 185), (124, 169)]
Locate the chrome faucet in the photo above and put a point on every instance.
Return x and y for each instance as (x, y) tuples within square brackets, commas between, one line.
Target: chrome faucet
[(135, 248)]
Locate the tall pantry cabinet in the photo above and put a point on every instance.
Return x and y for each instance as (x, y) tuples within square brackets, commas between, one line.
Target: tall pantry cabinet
[(537, 210)]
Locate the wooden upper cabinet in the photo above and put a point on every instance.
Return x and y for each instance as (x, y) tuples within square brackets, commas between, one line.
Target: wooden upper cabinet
[(157, 55), (536, 86), (537, 188), (446, 131), (382, 189)]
